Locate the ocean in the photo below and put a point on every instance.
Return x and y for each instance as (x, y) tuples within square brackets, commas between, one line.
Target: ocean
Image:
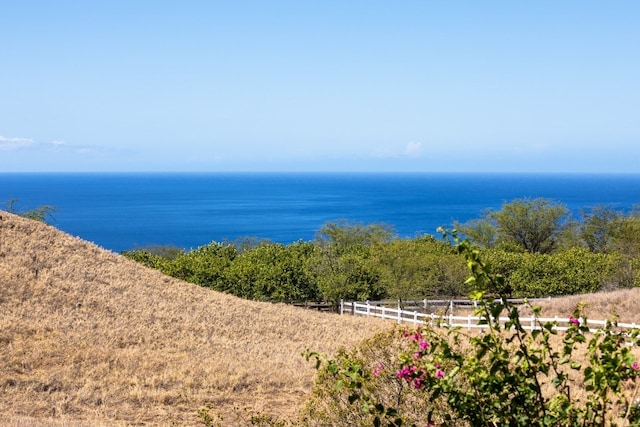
[(122, 211)]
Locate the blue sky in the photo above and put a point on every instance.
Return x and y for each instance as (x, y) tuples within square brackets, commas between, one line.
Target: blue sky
[(420, 86)]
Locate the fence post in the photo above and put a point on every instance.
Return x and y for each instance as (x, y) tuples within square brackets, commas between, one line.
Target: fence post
[(383, 314), (451, 306), (415, 318), (468, 322), (341, 307), (368, 309), (425, 304)]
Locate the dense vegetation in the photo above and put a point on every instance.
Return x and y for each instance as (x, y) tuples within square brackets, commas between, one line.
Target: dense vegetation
[(506, 376), (535, 243)]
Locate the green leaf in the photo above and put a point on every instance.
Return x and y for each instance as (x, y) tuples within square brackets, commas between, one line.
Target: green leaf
[(475, 295)]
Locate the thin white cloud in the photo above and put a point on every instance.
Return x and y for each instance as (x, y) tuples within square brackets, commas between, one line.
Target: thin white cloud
[(413, 149), (13, 143), (59, 146)]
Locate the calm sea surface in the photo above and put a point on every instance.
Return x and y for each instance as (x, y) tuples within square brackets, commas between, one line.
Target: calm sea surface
[(123, 211)]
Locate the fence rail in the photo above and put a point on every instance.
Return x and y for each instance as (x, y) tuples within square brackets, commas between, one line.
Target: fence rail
[(425, 305), (414, 317)]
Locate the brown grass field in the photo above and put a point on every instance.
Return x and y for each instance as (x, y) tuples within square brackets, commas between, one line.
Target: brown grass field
[(90, 338)]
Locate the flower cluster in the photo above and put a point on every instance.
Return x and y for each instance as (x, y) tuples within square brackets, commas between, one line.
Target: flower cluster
[(377, 370), (417, 368), (407, 372), (413, 375)]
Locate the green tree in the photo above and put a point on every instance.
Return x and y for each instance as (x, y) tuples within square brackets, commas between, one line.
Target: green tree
[(626, 240), (168, 252), (533, 224), (480, 231), (626, 235), (274, 272), (419, 268), (343, 234), (598, 227), (246, 243), (352, 275), (568, 272), (148, 259), (344, 264), (204, 266)]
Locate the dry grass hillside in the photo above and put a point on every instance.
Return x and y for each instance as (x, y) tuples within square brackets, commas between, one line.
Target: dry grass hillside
[(88, 338), (620, 304)]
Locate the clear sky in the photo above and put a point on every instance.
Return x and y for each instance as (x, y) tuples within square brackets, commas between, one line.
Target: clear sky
[(421, 86)]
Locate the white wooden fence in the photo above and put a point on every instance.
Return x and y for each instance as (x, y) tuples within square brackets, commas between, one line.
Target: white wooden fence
[(470, 322), (450, 305)]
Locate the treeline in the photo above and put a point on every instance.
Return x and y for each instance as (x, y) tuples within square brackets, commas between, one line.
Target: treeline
[(534, 243)]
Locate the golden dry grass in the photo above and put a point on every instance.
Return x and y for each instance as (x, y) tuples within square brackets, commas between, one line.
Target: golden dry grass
[(88, 337), (621, 304)]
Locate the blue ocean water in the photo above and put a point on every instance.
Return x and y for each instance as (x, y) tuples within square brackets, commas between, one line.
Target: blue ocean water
[(124, 211)]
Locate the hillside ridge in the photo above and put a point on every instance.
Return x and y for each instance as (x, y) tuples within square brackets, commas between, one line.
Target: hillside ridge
[(87, 335)]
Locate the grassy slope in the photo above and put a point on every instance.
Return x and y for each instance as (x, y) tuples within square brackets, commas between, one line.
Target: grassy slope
[(88, 337), (621, 304)]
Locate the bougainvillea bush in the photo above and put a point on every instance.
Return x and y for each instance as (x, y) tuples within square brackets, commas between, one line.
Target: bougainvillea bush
[(505, 375)]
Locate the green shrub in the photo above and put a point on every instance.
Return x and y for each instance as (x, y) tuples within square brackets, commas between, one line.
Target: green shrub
[(42, 213), (369, 369), (573, 271)]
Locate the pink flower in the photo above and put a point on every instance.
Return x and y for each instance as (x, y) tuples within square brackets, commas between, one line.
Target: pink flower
[(423, 345), (635, 366), (406, 372), (439, 373), (416, 355), (403, 373), (417, 336), (377, 370), (574, 321)]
